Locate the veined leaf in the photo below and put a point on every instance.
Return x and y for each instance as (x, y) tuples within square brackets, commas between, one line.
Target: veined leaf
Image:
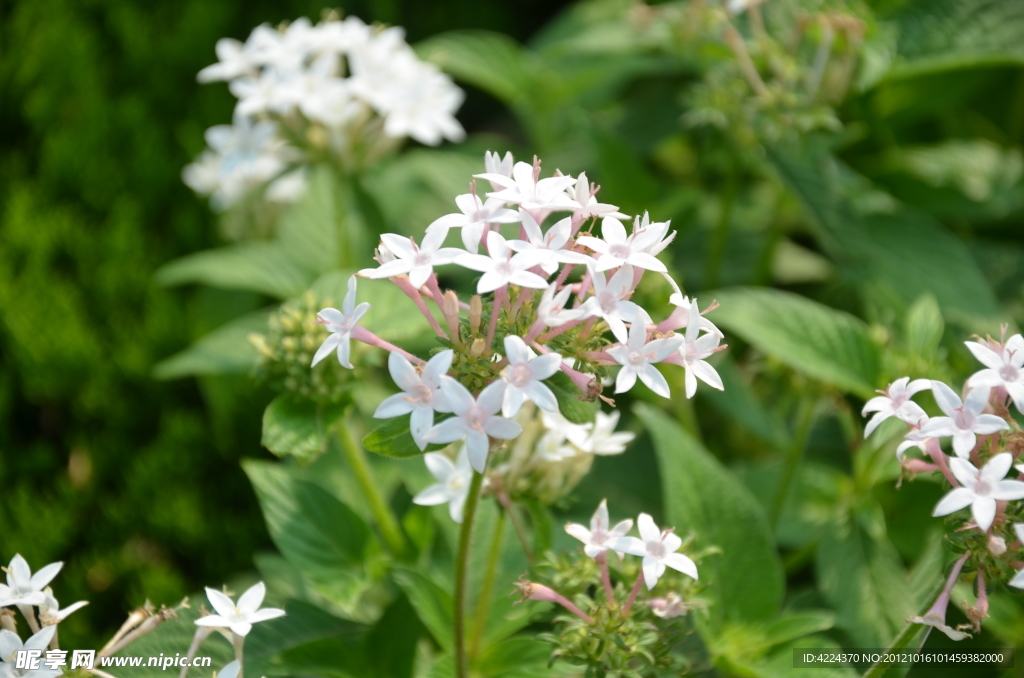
[(493, 62), (257, 266), (299, 427), (392, 438), (433, 604), (572, 403), (226, 350)]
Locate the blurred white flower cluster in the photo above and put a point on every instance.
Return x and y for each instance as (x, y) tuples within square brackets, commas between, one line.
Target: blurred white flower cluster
[(340, 90)]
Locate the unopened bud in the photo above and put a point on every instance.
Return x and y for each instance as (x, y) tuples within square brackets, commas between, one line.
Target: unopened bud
[(477, 349), (476, 311), (996, 545), (450, 304), (7, 620), (533, 591), (668, 607)]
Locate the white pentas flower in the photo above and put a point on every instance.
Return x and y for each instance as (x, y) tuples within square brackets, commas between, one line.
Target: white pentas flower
[(524, 377), (50, 611), (964, 420), (239, 618), (474, 218), (234, 60), (655, 233), (617, 248), (341, 324), (610, 303), (551, 244), (638, 357), (895, 401), (694, 352), (602, 439), (531, 193), (658, 549), (475, 419), (551, 309), (502, 266), (680, 317), (600, 537), (981, 489), (417, 262), (452, 486), (421, 394), (23, 587), (10, 644), (495, 164), (1003, 368), (586, 195)]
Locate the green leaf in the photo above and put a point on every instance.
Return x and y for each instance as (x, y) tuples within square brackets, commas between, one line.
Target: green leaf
[(823, 343), (257, 266), (493, 62), (798, 624), (739, 402), (572, 402), (521, 658), (303, 623), (226, 350), (392, 438), (391, 644), (746, 581), (317, 533), (433, 604), (299, 427), (342, 655), (924, 326), (308, 230)]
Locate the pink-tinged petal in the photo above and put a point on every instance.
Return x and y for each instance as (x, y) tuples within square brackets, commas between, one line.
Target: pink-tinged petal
[(648, 529), (331, 315), (433, 239), (516, 350), (545, 366), (419, 275), (402, 372), (947, 399), (1009, 490), (964, 471), (654, 380), (617, 327), (542, 396), (621, 528), (593, 550), (877, 404), (679, 562), (513, 401), (503, 216), (500, 179), (527, 279), (626, 379), (954, 500), (400, 245), (599, 521), (628, 545), (977, 399), (393, 406), (691, 382), (1017, 581), (477, 449), (44, 576), (447, 431), (446, 255), (496, 246), (468, 203), (265, 614), (449, 221), (252, 599), (421, 421), (989, 423), (997, 467), (606, 262), (344, 348), (985, 355), (653, 569), (432, 496), (241, 628), (593, 243), (910, 413), (648, 261), (671, 542), (916, 386), (659, 349), (504, 429), (458, 396), (984, 511), (220, 602), (963, 442), (578, 531), (988, 378)]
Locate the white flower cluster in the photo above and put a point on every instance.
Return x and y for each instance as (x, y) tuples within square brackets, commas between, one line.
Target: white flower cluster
[(335, 85)]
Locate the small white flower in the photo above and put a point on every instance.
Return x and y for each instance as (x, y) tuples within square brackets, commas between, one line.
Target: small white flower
[(529, 193), (680, 317), (502, 266), (599, 538), (551, 308), (694, 354), (981, 489), (50, 611), (602, 439), (23, 587), (589, 206), (550, 244), (416, 261), (239, 618), (895, 401), (617, 248), (421, 394), (474, 217), (1004, 368), (669, 607), (340, 324), (523, 376), (475, 419), (10, 644), (964, 420), (495, 164), (638, 356), (1018, 579), (658, 549), (233, 61), (657, 233), (609, 301), (452, 486)]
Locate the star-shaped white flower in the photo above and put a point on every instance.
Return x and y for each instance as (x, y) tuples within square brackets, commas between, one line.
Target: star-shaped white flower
[(658, 549), (895, 401), (551, 308), (474, 217), (617, 248), (584, 194), (695, 351), (495, 164), (532, 194), (657, 233), (680, 316), (50, 611), (551, 244), (239, 618), (638, 356), (23, 587), (233, 61), (475, 419), (10, 644), (609, 301), (421, 394), (602, 438), (1004, 368), (416, 261), (1018, 579), (502, 266), (964, 420), (599, 538), (340, 324), (452, 486), (524, 377), (981, 489)]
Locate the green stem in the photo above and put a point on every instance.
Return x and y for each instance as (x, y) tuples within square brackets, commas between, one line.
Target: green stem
[(386, 521), (806, 418), (484, 601), (720, 237), (462, 575)]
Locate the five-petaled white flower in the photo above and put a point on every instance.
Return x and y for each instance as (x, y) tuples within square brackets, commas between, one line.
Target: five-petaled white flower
[(680, 316), (617, 248), (599, 538), (530, 193), (585, 195), (417, 261), (964, 420), (23, 587), (239, 618), (551, 308), (981, 489), (657, 233), (452, 486), (695, 351), (523, 376), (476, 214), (495, 164), (50, 611), (420, 395), (475, 419), (895, 401), (502, 266), (1005, 368), (340, 324), (601, 437), (551, 244), (637, 357), (658, 549), (10, 644), (609, 301)]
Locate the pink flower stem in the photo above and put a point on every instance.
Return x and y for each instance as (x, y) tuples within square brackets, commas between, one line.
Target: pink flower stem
[(588, 328), (563, 275), (551, 334), (500, 295), (982, 594), (414, 294), (939, 457), (367, 337), (634, 593), (584, 285), (435, 290), (598, 357), (537, 327), (567, 604), (606, 580)]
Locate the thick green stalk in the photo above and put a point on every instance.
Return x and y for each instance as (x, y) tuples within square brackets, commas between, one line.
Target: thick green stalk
[(483, 603), (462, 575), (386, 521)]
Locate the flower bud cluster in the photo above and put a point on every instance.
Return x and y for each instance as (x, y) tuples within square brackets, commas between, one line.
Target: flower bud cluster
[(339, 90), (985, 441)]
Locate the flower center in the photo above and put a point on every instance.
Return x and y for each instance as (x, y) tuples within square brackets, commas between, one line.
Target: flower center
[(520, 376), (636, 358), (422, 393), (456, 483), (1009, 373), (619, 251), (656, 548), (983, 488), (422, 259), (963, 420), (476, 418), (504, 268)]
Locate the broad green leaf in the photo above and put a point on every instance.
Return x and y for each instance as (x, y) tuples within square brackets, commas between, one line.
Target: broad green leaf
[(303, 623), (823, 343), (522, 658), (739, 402), (572, 402), (391, 644), (491, 61), (299, 427), (308, 230), (924, 326), (392, 438), (746, 581), (342, 655), (257, 266), (432, 603), (797, 624), (226, 350), (318, 534)]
